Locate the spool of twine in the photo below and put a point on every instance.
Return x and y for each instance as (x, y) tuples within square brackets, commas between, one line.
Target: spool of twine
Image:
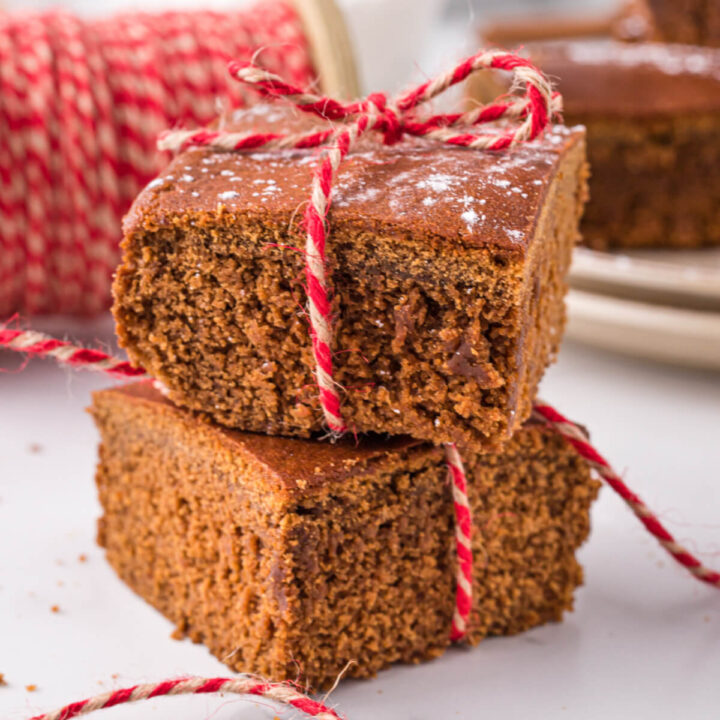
[(81, 105)]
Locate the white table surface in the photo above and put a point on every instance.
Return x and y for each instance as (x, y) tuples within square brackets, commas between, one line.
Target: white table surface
[(643, 642)]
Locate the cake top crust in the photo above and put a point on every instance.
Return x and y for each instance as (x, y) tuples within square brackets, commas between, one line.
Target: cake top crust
[(416, 189), (299, 467), (631, 79)]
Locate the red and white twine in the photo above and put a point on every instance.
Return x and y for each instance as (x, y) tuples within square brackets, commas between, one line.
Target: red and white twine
[(580, 441), (281, 693), (82, 104), (463, 544), (39, 344)]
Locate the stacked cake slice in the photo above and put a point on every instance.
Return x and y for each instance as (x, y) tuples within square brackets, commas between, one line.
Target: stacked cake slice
[(691, 22), (652, 112), (226, 508)]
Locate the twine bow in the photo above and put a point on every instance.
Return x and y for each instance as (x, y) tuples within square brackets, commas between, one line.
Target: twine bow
[(394, 119)]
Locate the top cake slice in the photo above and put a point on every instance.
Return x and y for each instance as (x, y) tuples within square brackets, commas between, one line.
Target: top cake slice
[(447, 268)]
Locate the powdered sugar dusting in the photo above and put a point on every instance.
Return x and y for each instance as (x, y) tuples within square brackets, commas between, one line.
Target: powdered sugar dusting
[(450, 184), (474, 196), (437, 182), (669, 59), (470, 217), (157, 182)]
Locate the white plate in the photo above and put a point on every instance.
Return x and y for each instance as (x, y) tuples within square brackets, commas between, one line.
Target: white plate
[(680, 277), (659, 332)]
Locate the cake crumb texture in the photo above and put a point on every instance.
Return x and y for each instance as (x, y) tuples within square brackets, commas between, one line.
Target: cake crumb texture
[(292, 578), (448, 271)]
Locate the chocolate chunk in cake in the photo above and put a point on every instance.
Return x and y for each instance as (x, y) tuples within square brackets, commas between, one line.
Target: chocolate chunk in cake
[(286, 555), (447, 267)]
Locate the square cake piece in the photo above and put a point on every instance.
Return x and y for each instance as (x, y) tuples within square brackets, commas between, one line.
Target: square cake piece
[(652, 113), (290, 557), (447, 268), (692, 22)]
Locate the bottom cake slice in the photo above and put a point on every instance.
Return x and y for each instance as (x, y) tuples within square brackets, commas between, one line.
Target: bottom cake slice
[(291, 558)]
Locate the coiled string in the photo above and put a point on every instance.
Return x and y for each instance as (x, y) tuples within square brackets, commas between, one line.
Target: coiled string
[(81, 105)]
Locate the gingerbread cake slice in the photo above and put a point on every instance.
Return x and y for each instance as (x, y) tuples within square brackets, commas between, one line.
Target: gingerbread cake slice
[(288, 556), (652, 114), (691, 22), (447, 267)]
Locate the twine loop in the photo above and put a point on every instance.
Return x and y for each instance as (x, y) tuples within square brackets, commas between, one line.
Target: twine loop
[(387, 118)]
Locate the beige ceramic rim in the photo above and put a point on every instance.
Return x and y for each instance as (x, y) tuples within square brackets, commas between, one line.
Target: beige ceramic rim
[(680, 336), (682, 278), (330, 47)]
